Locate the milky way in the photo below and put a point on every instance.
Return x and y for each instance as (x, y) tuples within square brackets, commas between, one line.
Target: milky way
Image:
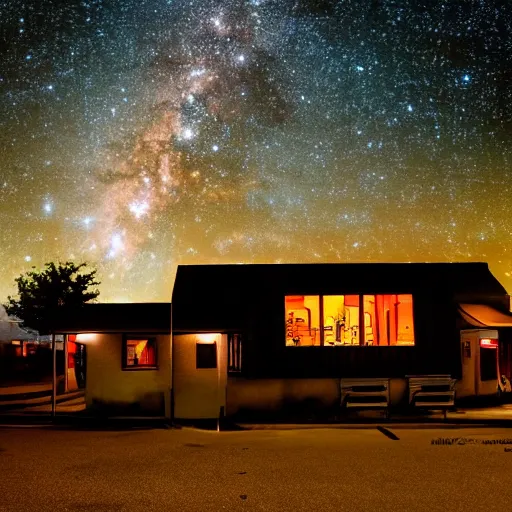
[(140, 135)]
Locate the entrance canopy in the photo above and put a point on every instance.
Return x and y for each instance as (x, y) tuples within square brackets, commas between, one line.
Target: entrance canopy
[(481, 315)]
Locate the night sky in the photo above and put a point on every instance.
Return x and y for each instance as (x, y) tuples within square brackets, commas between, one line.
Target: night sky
[(137, 135)]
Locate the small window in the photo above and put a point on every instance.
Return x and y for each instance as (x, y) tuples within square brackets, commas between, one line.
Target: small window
[(139, 353), (206, 355), (234, 353)]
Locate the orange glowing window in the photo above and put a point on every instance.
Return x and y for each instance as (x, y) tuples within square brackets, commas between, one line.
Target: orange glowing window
[(139, 353), (345, 320), (389, 320), (341, 320), (302, 320)]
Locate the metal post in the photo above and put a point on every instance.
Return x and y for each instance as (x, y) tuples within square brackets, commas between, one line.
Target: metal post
[(66, 383), (54, 375), (219, 352)]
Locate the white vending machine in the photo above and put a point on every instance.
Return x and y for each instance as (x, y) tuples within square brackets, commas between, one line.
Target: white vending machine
[(480, 366)]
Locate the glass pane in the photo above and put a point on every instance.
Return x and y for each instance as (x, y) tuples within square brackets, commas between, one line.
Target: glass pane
[(302, 317), (341, 320), (385, 320), (140, 352), (405, 321)]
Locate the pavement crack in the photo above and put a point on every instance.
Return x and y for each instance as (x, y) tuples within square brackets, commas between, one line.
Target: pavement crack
[(388, 433)]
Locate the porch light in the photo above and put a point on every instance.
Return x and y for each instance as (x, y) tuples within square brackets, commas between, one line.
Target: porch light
[(86, 337), (207, 338)]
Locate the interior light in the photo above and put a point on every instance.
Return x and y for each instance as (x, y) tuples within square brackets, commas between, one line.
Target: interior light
[(488, 343)]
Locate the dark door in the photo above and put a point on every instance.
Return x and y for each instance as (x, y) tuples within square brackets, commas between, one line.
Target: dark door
[(80, 365)]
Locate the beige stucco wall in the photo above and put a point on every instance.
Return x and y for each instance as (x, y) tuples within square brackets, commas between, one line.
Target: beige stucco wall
[(198, 393), (273, 394), (107, 385)]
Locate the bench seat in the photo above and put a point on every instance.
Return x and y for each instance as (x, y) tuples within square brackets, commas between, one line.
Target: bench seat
[(365, 394)]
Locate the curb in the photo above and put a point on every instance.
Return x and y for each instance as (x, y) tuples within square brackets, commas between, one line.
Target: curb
[(84, 423), (373, 426)]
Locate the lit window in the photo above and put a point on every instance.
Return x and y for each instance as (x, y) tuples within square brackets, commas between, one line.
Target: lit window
[(139, 353), (341, 320), (349, 320), (302, 320), (388, 320)]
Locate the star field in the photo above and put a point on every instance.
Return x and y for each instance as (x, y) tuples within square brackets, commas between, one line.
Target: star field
[(140, 135)]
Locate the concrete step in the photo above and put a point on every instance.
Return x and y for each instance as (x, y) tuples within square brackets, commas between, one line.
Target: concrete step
[(7, 405), (14, 393)]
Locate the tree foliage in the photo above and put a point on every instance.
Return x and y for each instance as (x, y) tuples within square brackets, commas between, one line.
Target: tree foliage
[(43, 293)]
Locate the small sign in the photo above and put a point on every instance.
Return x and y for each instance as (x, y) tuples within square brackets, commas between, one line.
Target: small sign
[(467, 349)]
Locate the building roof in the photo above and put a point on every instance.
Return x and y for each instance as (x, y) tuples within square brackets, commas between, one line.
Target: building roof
[(131, 317), (209, 294)]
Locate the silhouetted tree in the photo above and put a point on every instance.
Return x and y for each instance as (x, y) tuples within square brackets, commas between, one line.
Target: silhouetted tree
[(42, 293)]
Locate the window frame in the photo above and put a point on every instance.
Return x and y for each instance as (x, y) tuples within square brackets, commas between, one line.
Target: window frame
[(124, 352), (235, 342), (360, 336)]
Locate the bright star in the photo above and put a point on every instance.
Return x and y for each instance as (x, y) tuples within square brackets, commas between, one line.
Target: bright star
[(188, 134), (139, 208)]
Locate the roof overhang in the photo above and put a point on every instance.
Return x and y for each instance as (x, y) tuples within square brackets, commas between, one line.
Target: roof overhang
[(114, 318), (480, 315)]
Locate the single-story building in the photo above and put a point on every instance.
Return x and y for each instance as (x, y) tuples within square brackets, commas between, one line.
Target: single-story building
[(124, 356), (263, 338)]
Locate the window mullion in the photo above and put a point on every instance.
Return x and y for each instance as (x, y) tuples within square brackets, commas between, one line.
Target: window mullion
[(322, 320), (361, 333)]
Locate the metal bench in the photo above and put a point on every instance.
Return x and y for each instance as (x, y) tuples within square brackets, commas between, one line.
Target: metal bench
[(432, 392), (365, 394)]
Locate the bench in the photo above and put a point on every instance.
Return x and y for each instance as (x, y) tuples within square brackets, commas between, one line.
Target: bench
[(365, 394), (432, 392)]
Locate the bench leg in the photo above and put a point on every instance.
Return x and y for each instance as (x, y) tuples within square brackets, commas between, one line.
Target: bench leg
[(444, 414)]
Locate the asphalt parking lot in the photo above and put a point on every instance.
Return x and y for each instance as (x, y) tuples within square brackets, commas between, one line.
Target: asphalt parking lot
[(46, 469)]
